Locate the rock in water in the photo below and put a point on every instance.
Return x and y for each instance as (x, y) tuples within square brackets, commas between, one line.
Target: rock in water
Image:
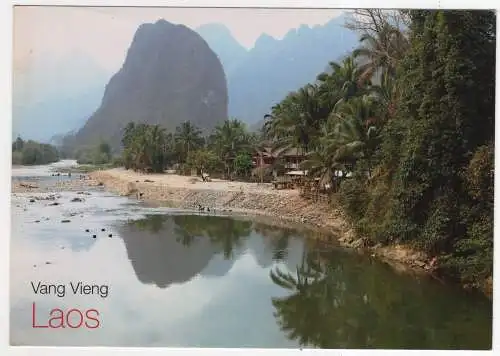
[(169, 76)]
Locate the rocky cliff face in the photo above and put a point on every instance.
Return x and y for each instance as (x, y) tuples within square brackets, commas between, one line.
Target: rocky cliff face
[(170, 75)]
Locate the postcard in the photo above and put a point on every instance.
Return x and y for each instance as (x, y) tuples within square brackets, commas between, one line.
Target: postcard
[(252, 178)]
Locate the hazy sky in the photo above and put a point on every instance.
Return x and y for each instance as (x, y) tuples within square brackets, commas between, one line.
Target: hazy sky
[(104, 34)]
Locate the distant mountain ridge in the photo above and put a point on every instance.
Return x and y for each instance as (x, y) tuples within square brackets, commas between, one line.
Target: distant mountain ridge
[(222, 42), (54, 97), (272, 68)]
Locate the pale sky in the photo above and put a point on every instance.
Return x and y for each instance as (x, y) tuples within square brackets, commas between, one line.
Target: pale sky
[(105, 33)]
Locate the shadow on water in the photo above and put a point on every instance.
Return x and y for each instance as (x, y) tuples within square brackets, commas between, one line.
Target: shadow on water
[(324, 298), (339, 300), (166, 249), (173, 249)]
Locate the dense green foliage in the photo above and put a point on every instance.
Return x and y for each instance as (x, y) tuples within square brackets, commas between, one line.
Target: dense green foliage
[(444, 134), (33, 153), (414, 123), (402, 130), (99, 155), (150, 148)]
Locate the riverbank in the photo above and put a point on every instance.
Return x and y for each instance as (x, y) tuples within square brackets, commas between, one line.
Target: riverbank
[(34, 185), (254, 199), (277, 207), (250, 200)]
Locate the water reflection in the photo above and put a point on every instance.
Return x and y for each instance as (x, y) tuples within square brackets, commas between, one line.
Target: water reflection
[(171, 276), (337, 300), (225, 233), (173, 249)]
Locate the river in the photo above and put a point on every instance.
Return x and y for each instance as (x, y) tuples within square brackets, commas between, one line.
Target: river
[(175, 278)]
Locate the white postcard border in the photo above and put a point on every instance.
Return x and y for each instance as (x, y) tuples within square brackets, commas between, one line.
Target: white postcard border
[(5, 164)]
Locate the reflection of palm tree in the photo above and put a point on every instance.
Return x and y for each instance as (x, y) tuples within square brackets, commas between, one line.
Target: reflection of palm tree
[(337, 300), (313, 314), (298, 313), (222, 231), (187, 228), (280, 247), (302, 280), (229, 235), (279, 239), (152, 223)]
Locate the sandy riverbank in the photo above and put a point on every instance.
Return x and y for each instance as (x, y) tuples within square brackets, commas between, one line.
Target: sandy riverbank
[(34, 186), (237, 197), (252, 199)]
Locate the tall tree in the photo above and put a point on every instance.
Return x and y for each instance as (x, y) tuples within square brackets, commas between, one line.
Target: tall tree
[(296, 120), (449, 70), (188, 137), (381, 51)]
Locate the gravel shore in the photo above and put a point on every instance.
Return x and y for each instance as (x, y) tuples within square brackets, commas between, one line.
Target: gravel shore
[(254, 199), (238, 197), (278, 207)]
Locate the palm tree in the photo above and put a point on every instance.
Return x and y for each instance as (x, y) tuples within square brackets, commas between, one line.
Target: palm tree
[(344, 82), (387, 93), (188, 137), (321, 163), (229, 139), (128, 134), (156, 141), (355, 139), (138, 146), (348, 135), (365, 108), (382, 50), (296, 120)]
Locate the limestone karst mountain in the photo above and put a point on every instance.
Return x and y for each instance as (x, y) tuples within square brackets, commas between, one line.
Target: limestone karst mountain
[(170, 75)]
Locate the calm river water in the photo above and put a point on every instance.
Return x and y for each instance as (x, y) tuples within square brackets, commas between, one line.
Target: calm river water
[(179, 279)]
